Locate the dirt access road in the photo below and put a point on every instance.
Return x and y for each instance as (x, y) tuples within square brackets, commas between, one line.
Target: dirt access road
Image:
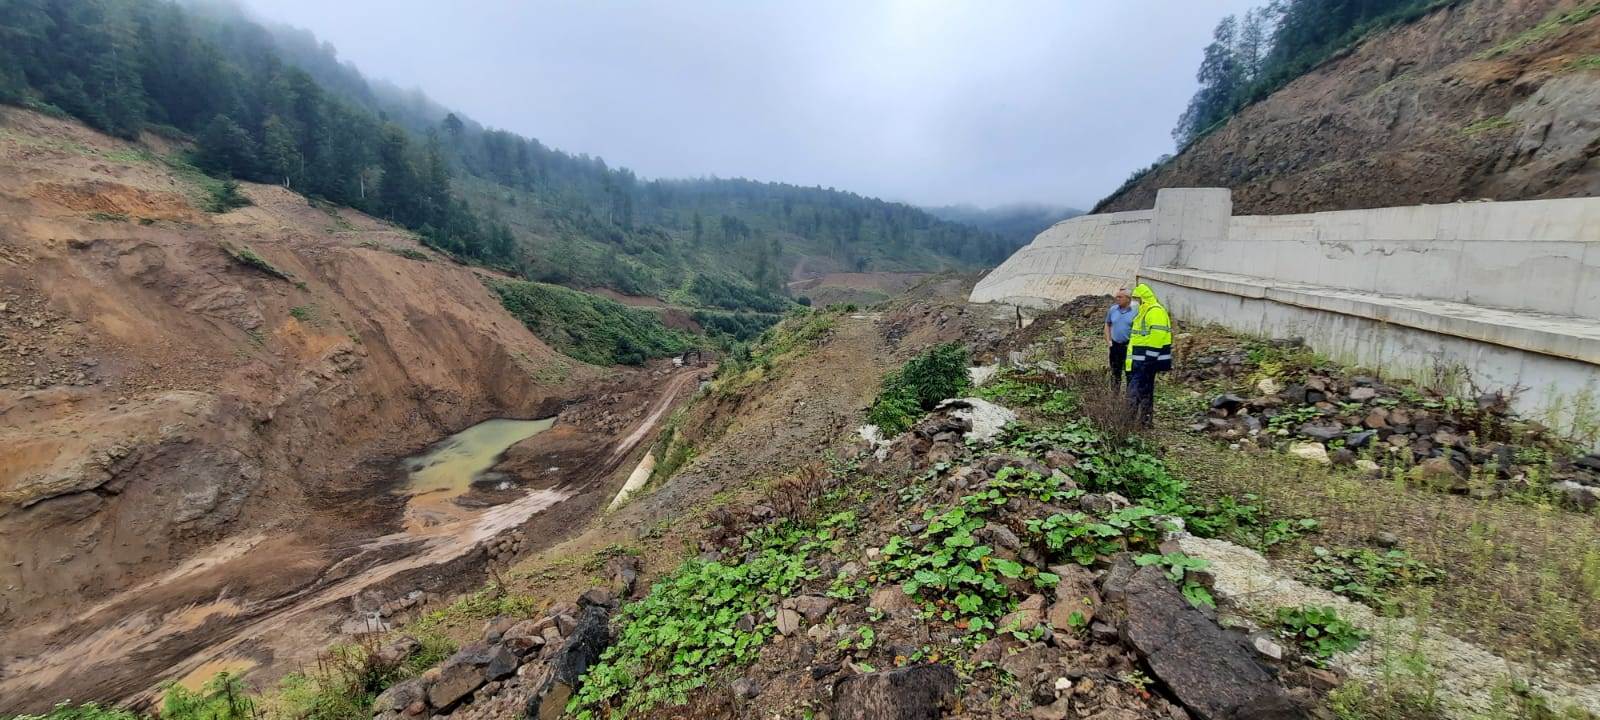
[(121, 647)]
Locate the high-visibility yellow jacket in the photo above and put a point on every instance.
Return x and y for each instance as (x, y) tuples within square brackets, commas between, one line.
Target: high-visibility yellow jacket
[(1151, 341)]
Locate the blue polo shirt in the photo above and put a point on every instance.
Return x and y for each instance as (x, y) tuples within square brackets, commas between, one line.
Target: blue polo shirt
[(1121, 322)]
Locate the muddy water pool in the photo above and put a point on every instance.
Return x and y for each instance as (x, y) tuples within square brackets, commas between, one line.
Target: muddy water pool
[(448, 469)]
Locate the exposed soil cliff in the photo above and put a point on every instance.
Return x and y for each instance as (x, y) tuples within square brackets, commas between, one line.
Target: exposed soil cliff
[(1496, 99), (203, 410)]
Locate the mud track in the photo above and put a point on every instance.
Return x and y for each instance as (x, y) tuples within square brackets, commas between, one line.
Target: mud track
[(278, 599)]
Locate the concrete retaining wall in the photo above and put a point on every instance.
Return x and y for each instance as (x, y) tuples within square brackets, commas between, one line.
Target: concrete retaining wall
[(1508, 292)]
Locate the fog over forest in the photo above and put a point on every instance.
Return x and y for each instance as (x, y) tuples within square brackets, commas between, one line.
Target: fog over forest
[(927, 103)]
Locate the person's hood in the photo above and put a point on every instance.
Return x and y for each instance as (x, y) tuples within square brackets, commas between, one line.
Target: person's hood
[(1145, 295)]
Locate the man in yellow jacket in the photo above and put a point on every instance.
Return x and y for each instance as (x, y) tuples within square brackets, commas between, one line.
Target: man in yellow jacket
[(1149, 352)]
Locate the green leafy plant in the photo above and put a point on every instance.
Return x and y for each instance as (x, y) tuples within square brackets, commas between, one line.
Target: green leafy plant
[(688, 626), (1319, 630), (935, 374), (1367, 576), (1178, 566)]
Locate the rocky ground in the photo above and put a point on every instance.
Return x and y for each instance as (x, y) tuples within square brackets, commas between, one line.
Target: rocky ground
[(1041, 572)]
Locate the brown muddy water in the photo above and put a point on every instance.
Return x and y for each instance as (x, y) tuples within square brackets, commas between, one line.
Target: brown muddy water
[(448, 469)]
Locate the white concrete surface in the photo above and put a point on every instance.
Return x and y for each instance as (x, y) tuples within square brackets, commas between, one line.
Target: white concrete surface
[(1086, 255), (1508, 291)]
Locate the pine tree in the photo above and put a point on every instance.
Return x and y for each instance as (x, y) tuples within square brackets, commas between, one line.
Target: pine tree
[(224, 148), (280, 159)]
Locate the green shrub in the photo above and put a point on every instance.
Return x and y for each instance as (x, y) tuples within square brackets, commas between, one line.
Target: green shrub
[(1319, 630), (223, 697), (248, 258), (223, 196), (935, 374), (589, 327)]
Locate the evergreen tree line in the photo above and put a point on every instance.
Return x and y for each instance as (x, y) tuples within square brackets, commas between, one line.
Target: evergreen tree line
[(126, 65), (1251, 57), (272, 104)]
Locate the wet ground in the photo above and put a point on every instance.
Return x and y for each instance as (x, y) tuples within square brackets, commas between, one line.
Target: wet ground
[(263, 603)]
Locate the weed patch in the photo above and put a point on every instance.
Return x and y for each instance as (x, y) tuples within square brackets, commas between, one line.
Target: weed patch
[(700, 619), (935, 374), (248, 258), (1367, 576), (1319, 631)]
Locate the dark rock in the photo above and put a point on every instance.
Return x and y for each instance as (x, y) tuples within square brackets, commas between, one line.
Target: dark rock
[(1228, 403), (581, 650), (1321, 430), (911, 693), (822, 670), (1384, 538), (1059, 459), (788, 621), (624, 573), (891, 598), (1358, 440), (468, 670), (399, 697), (597, 596), (1076, 599), (1589, 462), (1209, 670), (1342, 456), (1294, 393), (812, 607), (745, 689), (396, 652), (1576, 496), (1024, 663), (999, 536), (1102, 503), (496, 628)]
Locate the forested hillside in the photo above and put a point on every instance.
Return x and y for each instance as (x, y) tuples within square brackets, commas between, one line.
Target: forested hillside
[(272, 104), (1249, 58), (1403, 103), (1015, 224)]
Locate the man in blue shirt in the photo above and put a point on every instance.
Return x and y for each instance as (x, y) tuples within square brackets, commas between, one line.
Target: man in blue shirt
[(1119, 325)]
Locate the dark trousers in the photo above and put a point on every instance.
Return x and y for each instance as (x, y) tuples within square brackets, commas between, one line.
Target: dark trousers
[(1119, 358), (1142, 392)]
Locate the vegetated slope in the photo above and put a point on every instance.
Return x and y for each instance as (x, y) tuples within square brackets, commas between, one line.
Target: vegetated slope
[(171, 377), (1481, 99), (1016, 224), (273, 105)]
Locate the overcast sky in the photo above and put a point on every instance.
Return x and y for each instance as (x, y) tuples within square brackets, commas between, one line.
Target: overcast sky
[(930, 102)]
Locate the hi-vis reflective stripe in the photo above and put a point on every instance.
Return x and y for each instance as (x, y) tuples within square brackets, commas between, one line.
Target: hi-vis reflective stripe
[(1159, 327), (1167, 356)]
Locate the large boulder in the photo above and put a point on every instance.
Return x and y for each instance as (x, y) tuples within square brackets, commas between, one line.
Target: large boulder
[(1212, 672), (910, 693), (467, 671), (582, 648)]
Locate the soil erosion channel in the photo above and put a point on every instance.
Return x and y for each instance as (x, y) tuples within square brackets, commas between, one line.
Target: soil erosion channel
[(273, 599)]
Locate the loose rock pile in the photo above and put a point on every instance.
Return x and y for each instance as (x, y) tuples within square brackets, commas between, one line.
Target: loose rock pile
[(529, 666), (1474, 447)]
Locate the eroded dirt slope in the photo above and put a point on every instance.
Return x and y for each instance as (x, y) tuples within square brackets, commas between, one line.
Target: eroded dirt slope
[(1495, 99), (166, 408)]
